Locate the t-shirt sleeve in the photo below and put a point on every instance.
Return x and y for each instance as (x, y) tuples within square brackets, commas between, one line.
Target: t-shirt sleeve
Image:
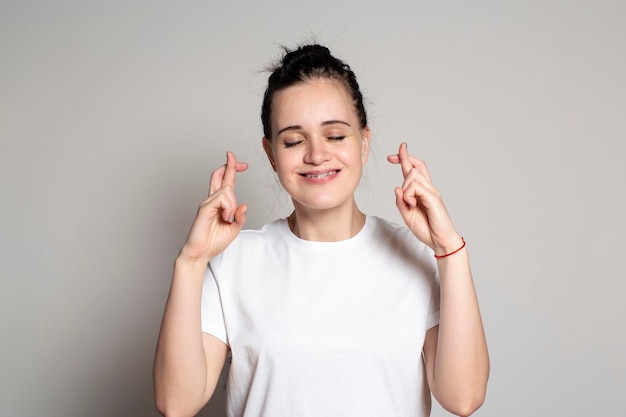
[(212, 315)]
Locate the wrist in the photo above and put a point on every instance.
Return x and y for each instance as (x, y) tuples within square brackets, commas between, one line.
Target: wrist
[(448, 249), (184, 260)]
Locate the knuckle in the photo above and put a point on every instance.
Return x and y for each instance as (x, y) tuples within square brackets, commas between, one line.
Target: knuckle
[(204, 202)]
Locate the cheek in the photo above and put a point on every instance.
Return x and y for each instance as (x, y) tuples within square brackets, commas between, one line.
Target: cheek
[(354, 155), (284, 163)]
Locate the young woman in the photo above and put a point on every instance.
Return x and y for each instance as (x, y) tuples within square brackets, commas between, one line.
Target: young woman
[(329, 312)]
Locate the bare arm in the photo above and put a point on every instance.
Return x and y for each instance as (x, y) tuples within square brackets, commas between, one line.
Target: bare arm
[(188, 362), (455, 352)]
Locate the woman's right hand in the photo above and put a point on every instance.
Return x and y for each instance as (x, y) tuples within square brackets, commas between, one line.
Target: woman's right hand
[(219, 219)]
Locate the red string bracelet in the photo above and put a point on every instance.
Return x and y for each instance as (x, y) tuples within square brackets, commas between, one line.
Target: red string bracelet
[(453, 252)]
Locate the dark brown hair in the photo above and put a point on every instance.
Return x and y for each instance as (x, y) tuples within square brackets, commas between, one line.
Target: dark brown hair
[(303, 64)]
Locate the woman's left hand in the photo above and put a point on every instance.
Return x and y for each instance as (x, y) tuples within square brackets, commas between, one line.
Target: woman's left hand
[(421, 205)]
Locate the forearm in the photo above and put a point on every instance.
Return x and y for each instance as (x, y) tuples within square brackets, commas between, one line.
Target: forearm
[(462, 363), (180, 369)]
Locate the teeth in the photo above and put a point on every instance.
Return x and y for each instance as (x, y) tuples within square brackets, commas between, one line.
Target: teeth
[(324, 175)]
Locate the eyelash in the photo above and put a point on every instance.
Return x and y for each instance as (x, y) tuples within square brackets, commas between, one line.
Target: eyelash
[(292, 144)]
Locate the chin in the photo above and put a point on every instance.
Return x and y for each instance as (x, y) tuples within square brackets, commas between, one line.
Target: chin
[(320, 204)]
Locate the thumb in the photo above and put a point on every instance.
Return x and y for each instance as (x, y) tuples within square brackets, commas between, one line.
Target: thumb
[(403, 207), (240, 215)]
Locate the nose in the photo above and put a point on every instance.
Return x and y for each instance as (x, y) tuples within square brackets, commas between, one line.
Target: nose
[(317, 152)]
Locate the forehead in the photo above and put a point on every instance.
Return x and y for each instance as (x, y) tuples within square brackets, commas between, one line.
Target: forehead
[(312, 102)]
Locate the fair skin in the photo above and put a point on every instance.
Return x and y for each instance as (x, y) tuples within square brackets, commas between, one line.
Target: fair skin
[(455, 352), (318, 150)]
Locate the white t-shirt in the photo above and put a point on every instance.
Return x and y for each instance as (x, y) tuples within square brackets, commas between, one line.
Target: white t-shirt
[(324, 328)]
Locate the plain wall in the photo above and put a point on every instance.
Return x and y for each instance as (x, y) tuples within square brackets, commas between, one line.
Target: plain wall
[(113, 114)]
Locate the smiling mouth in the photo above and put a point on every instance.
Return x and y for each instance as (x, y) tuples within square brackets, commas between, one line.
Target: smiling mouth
[(321, 175)]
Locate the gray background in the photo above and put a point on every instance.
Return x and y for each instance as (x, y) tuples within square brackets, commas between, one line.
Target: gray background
[(113, 114)]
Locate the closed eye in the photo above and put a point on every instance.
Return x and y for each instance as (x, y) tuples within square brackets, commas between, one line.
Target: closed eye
[(336, 137), (292, 144)]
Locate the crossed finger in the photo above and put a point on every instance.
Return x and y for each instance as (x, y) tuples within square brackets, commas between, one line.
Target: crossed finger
[(407, 162), (225, 175)]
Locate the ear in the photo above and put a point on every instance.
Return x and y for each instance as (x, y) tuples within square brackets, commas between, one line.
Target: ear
[(267, 147), (365, 150)]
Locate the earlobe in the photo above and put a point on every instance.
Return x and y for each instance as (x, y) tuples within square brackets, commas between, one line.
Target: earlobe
[(267, 147)]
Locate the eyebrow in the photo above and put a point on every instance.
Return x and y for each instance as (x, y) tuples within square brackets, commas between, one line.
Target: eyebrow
[(325, 123)]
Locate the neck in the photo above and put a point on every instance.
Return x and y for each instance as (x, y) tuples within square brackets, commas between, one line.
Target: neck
[(326, 225)]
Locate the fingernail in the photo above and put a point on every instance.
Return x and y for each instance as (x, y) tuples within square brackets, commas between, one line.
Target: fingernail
[(232, 219)]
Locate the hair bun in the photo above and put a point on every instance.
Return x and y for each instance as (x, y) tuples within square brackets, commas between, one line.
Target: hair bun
[(305, 51)]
